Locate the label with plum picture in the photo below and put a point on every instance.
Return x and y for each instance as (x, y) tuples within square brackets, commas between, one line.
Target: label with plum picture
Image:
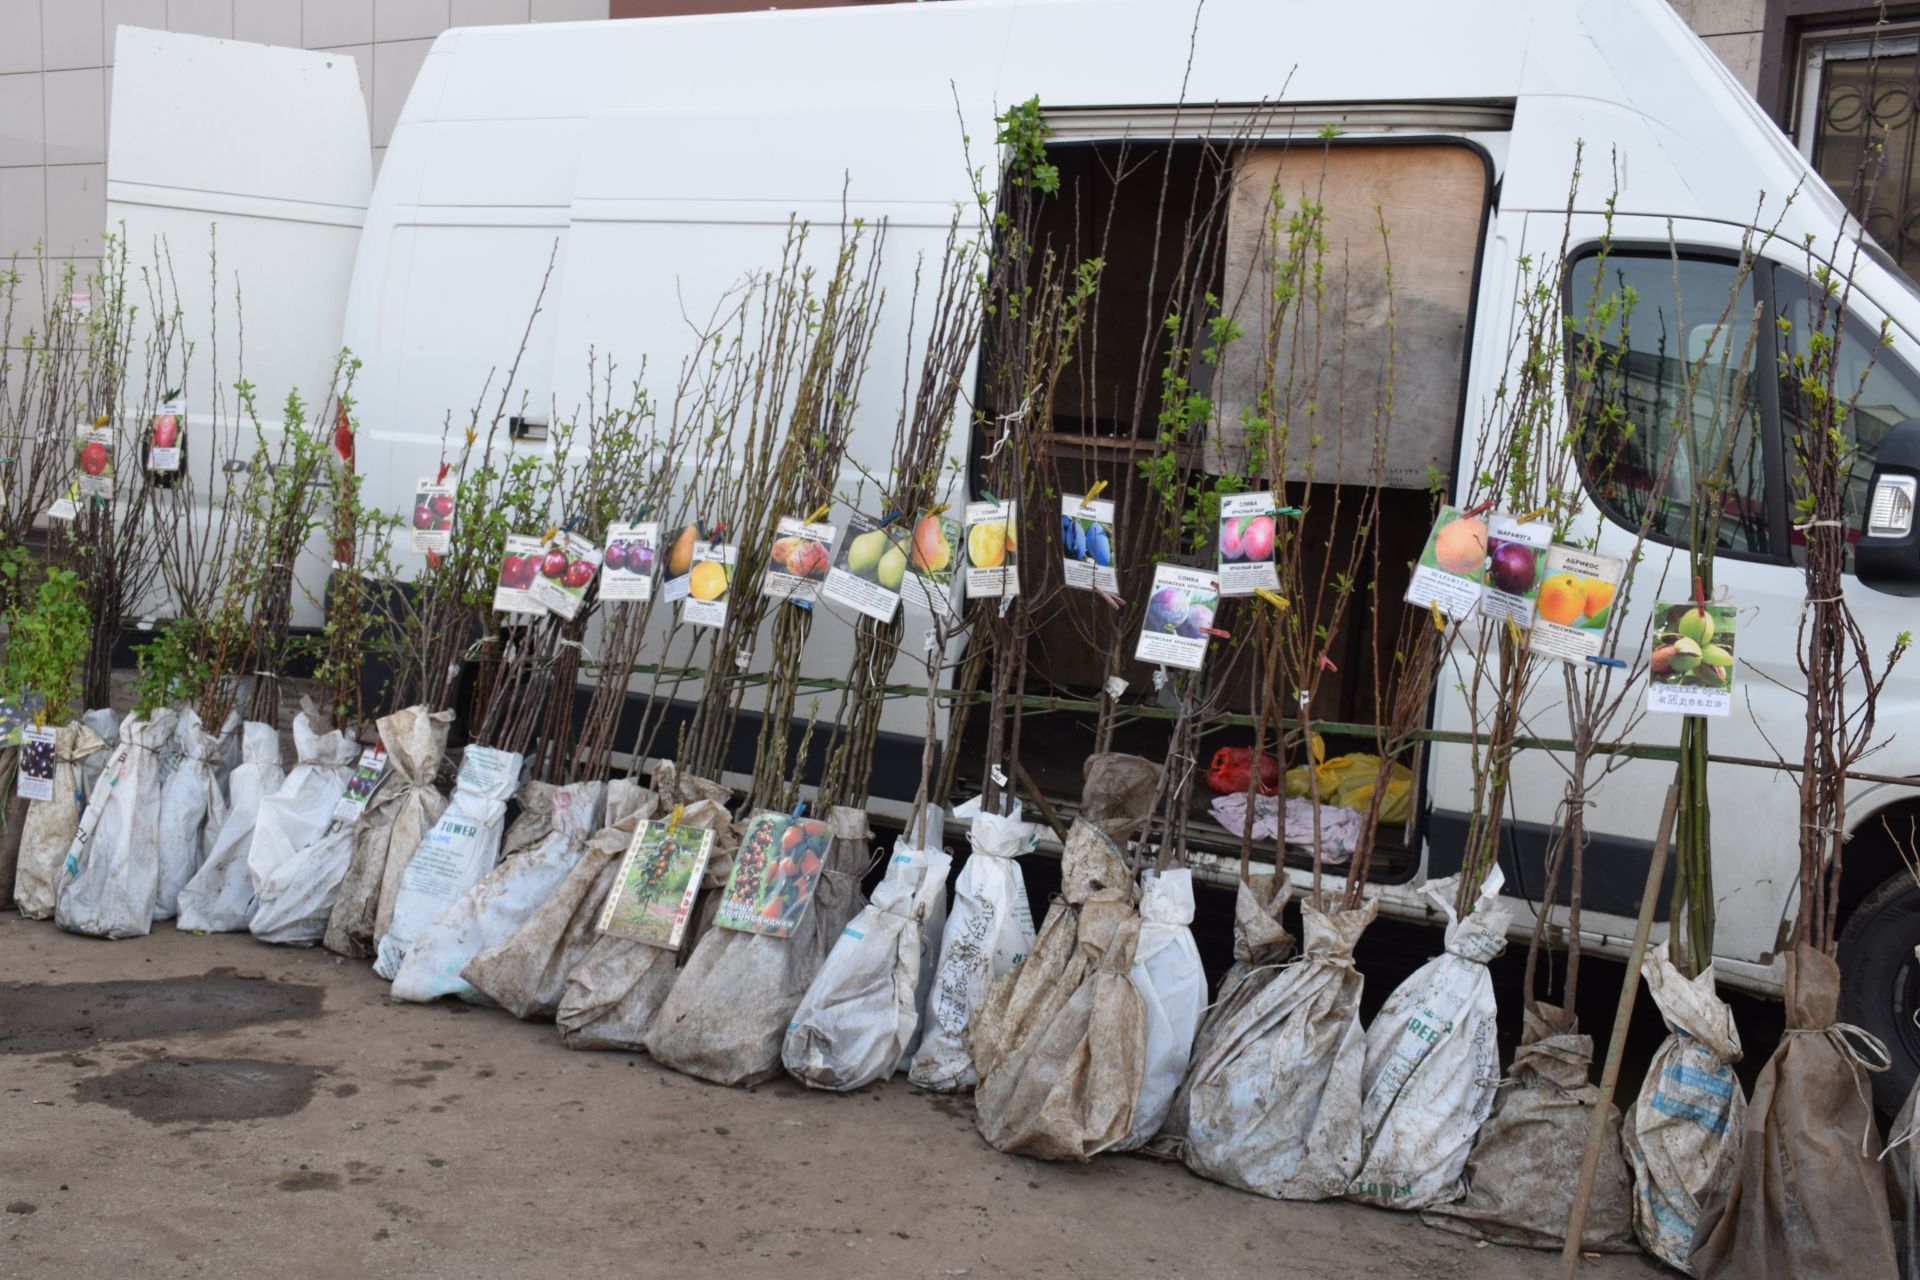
[(626, 566), (1514, 553), (566, 571), (1086, 542), (869, 569), (992, 557), (96, 462), (1179, 616), (1691, 670), (433, 502), (519, 566), (1248, 527), (709, 584), (165, 437), (1575, 602), (1449, 574), (797, 564), (774, 874), (34, 779)]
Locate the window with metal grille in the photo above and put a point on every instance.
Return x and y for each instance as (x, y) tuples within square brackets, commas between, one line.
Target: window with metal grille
[(1855, 120)]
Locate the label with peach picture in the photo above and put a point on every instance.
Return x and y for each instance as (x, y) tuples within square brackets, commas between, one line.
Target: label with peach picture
[(1448, 575), (1246, 538), (432, 516), (519, 566), (626, 566), (798, 561), (1575, 602), (709, 582), (1691, 669), (166, 436), (992, 557), (566, 572), (96, 462), (1514, 555)]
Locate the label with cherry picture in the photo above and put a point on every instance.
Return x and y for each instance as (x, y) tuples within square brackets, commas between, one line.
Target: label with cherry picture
[(626, 566), (166, 437), (566, 571), (433, 502), (519, 566), (96, 462)]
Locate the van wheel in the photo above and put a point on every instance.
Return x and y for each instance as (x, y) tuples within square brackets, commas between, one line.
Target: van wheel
[(1880, 983)]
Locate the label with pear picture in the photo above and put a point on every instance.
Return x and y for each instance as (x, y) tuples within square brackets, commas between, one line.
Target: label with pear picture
[(1691, 671), (932, 561), (992, 557), (1575, 602), (869, 569)]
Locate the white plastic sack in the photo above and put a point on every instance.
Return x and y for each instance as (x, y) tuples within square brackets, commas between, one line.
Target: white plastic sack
[(219, 898), (192, 807), (401, 812), (1432, 1063), (541, 848), (1690, 1110), (725, 1019), (527, 974), (293, 819), (1167, 973), (113, 868), (50, 825), (933, 925), (861, 1014), (460, 848), (989, 930), (1273, 1106), (105, 724), (1903, 1171)]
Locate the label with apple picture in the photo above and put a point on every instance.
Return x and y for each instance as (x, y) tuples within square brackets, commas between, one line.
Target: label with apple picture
[(1086, 542), (1575, 602), (1248, 525), (1449, 574), (932, 584), (433, 502), (96, 462), (869, 569), (166, 436), (626, 566), (799, 559), (992, 557), (709, 582), (566, 571), (1179, 614), (1514, 554), (519, 566)]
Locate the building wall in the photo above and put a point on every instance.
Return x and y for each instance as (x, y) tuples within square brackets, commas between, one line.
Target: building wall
[(1734, 29)]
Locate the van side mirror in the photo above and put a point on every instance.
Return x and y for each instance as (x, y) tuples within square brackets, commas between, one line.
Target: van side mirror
[(1887, 557)]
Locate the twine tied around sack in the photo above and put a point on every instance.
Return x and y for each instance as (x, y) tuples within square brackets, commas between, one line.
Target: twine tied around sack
[(1865, 1051)]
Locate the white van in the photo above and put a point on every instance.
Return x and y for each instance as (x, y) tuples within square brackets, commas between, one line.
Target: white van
[(664, 157)]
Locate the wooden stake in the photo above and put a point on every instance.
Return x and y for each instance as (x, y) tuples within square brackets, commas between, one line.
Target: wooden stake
[(1616, 1046)]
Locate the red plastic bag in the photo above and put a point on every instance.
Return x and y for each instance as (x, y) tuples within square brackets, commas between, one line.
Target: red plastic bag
[(1232, 769)]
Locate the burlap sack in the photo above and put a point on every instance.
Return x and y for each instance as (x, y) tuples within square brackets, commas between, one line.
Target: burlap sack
[(399, 815)]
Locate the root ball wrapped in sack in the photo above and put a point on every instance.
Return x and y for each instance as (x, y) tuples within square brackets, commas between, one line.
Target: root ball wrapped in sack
[(397, 819), (289, 886), (1173, 988), (220, 898), (112, 874), (193, 804), (47, 831)]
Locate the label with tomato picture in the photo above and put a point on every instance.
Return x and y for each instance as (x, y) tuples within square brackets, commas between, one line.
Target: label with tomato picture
[(774, 874), (519, 566), (166, 437), (799, 560), (709, 584), (433, 502), (566, 571), (626, 566), (96, 462)]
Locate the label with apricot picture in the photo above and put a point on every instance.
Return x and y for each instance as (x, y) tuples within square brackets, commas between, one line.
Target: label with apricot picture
[(709, 582), (1575, 602)]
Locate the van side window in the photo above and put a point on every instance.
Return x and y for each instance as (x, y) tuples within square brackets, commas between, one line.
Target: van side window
[(1887, 391), (1674, 408)]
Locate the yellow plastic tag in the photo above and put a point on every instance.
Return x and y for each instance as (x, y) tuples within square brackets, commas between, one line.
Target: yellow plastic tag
[(825, 509), (1273, 598), (937, 510), (549, 535), (1098, 488), (472, 435), (673, 823), (1535, 514), (1439, 619), (1513, 633), (102, 420)]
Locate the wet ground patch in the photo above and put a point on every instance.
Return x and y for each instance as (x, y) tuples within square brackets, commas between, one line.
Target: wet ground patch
[(203, 1090), (47, 1017)]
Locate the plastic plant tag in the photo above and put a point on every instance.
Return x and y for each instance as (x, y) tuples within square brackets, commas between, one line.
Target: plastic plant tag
[(433, 502), (653, 894), (1448, 575), (361, 784), (798, 560), (33, 780), (519, 565), (869, 569), (1179, 613), (774, 874), (1575, 603), (1248, 522), (95, 457), (1515, 550), (626, 566), (1116, 688), (1692, 667), (932, 583), (1086, 541), (992, 557), (566, 571), (709, 583), (63, 508), (166, 436)]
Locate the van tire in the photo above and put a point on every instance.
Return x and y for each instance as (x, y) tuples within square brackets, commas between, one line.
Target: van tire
[(1880, 982)]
